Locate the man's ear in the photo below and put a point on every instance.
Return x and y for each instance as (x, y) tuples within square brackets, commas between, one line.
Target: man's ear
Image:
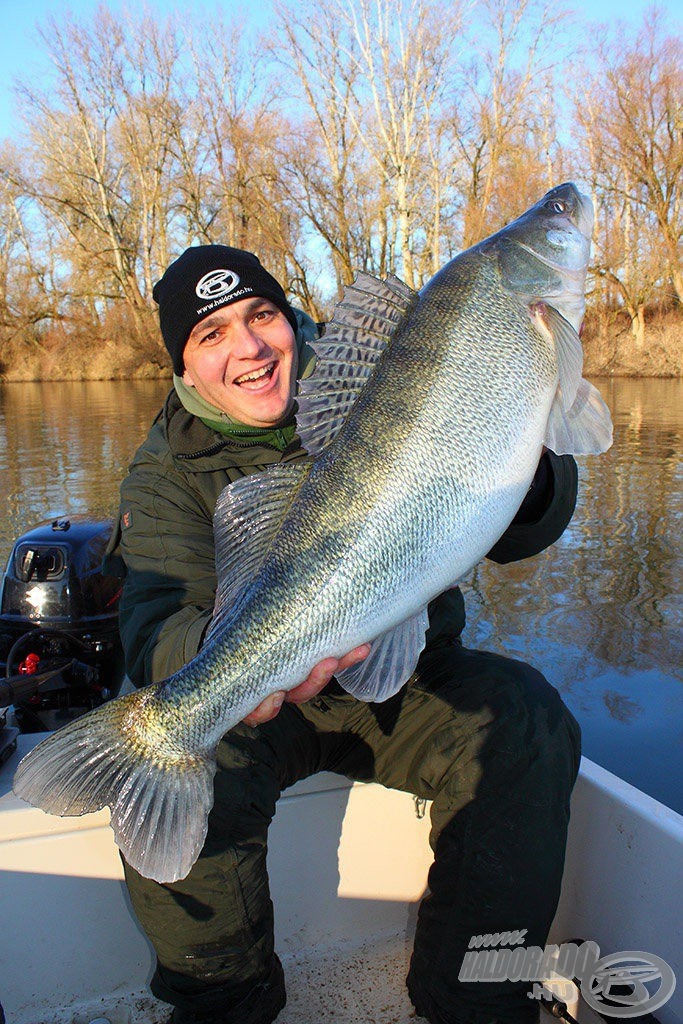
[(187, 378)]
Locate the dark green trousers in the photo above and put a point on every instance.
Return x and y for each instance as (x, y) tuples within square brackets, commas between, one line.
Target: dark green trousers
[(487, 739)]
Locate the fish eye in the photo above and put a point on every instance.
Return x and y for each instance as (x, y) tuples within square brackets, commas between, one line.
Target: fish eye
[(557, 206)]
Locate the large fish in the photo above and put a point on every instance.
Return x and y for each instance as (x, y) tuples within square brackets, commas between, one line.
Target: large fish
[(425, 420)]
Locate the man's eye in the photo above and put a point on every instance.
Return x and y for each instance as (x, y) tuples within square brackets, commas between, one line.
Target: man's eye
[(211, 336), (263, 314)]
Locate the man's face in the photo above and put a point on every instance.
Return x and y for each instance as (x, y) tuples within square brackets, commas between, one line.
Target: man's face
[(243, 359)]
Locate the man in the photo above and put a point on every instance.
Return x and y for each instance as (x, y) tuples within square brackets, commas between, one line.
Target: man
[(487, 739)]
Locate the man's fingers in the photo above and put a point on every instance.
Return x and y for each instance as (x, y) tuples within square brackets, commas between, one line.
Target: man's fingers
[(267, 709), (317, 680), (321, 674), (353, 657)]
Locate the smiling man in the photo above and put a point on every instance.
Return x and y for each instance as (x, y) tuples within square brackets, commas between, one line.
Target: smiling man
[(485, 738)]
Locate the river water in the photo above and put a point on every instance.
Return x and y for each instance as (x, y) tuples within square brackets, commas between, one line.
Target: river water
[(599, 613)]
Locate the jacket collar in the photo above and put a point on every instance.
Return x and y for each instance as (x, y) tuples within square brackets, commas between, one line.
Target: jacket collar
[(192, 441)]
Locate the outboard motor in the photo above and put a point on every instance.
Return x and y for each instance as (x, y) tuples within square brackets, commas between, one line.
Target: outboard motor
[(60, 652)]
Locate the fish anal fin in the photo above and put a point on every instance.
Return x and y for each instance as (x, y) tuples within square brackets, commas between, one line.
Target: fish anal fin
[(391, 662)]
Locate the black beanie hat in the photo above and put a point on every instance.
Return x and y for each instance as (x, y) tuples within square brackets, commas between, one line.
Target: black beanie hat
[(205, 278)]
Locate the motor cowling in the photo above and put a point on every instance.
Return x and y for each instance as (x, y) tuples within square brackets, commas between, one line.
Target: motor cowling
[(60, 651)]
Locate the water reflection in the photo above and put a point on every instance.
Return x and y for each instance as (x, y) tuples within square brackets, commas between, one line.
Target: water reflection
[(64, 447), (599, 613)]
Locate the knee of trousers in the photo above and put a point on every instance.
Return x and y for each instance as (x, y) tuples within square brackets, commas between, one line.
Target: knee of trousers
[(217, 922), (528, 742)]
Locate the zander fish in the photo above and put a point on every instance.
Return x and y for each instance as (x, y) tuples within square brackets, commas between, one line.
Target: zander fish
[(424, 421)]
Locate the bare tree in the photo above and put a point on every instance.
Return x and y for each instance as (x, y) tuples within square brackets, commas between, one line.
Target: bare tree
[(376, 135), (29, 297), (403, 54), (100, 155), (231, 168), (630, 117), (504, 111), (373, 74), (326, 168)]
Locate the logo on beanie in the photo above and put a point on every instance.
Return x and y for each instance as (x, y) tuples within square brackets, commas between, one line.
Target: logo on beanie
[(217, 283)]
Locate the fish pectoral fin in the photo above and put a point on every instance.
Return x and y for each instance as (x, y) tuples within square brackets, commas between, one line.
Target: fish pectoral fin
[(248, 514), (584, 429), (363, 324), (390, 663), (567, 345), (579, 422), (159, 808)]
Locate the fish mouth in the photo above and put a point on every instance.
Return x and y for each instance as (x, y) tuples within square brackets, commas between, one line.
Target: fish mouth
[(586, 215), (257, 379)]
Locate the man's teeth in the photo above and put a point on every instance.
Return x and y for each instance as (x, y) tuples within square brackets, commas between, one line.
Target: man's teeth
[(256, 375)]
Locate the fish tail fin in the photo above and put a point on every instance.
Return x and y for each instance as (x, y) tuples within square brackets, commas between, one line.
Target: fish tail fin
[(159, 804)]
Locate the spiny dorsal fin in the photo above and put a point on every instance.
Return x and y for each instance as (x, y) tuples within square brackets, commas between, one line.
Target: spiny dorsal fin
[(363, 323), (248, 514)]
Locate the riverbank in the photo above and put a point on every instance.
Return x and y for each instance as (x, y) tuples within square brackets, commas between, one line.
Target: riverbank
[(610, 350)]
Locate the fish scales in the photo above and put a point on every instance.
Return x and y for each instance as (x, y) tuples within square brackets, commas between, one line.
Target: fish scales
[(424, 474), (356, 542)]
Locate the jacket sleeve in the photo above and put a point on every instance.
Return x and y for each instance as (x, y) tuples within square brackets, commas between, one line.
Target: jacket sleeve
[(165, 541), (545, 512)]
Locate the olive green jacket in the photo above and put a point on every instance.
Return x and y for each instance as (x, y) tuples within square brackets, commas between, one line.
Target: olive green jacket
[(163, 544)]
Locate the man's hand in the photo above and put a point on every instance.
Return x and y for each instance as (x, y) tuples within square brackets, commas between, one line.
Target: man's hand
[(317, 680)]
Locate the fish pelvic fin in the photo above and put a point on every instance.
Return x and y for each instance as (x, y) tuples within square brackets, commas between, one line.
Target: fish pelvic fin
[(583, 429), (391, 662), (579, 422), (159, 803)]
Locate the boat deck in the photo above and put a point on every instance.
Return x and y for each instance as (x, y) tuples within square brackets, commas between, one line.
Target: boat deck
[(348, 867), (361, 985)]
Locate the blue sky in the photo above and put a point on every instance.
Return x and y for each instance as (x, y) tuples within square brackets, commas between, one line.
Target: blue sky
[(20, 17)]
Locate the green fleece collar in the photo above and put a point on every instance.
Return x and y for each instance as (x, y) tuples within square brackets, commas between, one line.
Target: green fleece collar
[(221, 423)]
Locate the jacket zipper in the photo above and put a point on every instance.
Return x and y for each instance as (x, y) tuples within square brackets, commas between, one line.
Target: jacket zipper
[(215, 448)]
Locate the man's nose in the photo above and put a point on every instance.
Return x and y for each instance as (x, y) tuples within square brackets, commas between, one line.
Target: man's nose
[(248, 343)]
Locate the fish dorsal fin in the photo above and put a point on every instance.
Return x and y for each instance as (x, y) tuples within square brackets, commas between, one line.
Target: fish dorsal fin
[(579, 421), (364, 321), (390, 663), (248, 514)]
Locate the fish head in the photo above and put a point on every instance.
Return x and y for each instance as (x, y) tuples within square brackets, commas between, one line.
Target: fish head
[(543, 255)]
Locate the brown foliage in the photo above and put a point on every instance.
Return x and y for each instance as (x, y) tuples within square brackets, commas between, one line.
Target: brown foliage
[(377, 136)]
